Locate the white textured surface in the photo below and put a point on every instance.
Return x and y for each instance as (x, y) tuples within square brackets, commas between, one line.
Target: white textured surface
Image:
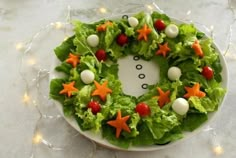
[(22, 19)]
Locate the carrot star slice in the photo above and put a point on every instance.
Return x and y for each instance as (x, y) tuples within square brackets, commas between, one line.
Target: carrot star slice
[(163, 49), (163, 97), (197, 49), (120, 124), (194, 91), (144, 32), (73, 60), (101, 90), (68, 89), (103, 27)]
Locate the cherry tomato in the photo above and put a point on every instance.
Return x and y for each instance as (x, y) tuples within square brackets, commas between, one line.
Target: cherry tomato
[(159, 25), (122, 39), (143, 109), (101, 55), (207, 72), (95, 107)]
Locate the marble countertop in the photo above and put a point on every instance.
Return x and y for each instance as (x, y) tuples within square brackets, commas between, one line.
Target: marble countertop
[(40, 25)]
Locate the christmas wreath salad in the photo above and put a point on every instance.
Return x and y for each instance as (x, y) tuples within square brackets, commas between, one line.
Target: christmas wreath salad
[(90, 90)]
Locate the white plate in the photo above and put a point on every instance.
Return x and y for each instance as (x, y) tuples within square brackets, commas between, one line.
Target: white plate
[(98, 138)]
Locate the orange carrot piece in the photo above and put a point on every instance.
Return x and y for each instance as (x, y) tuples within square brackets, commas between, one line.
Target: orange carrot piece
[(194, 91), (144, 32), (197, 49), (120, 124), (73, 60), (163, 49), (68, 89), (103, 27), (163, 97), (101, 90)]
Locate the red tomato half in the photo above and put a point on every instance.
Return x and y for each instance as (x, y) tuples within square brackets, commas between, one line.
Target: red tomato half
[(95, 107), (143, 109), (207, 72)]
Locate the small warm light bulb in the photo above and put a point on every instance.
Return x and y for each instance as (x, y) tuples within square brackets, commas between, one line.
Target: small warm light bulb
[(31, 61), (218, 150), (212, 27), (188, 12), (65, 38), (233, 56), (149, 7), (58, 25), (227, 54), (103, 10), (230, 55), (37, 138), (34, 102), (19, 46), (26, 98)]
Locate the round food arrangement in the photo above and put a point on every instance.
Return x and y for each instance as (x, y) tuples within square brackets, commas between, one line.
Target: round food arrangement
[(191, 85)]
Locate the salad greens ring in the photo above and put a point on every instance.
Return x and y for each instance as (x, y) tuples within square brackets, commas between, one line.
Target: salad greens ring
[(173, 106)]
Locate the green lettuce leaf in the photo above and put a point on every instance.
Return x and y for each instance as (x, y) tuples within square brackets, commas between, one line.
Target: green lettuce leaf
[(62, 51), (144, 137), (114, 84), (108, 69), (89, 120), (195, 102), (108, 133), (68, 107), (209, 104), (160, 121), (187, 34), (55, 88), (84, 96), (91, 63), (124, 25), (216, 93), (116, 50), (174, 134), (124, 103), (216, 66), (134, 120), (64, 67), (193, 121)]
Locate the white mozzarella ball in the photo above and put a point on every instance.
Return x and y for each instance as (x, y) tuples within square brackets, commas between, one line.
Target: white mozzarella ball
[(174, 73), (87, 76), (93, 40), (180, 106), (133, 22), (172, 31)]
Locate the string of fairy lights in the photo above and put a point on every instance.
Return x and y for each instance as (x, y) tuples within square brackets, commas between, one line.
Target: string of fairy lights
[(26, 47), (41, 74)]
